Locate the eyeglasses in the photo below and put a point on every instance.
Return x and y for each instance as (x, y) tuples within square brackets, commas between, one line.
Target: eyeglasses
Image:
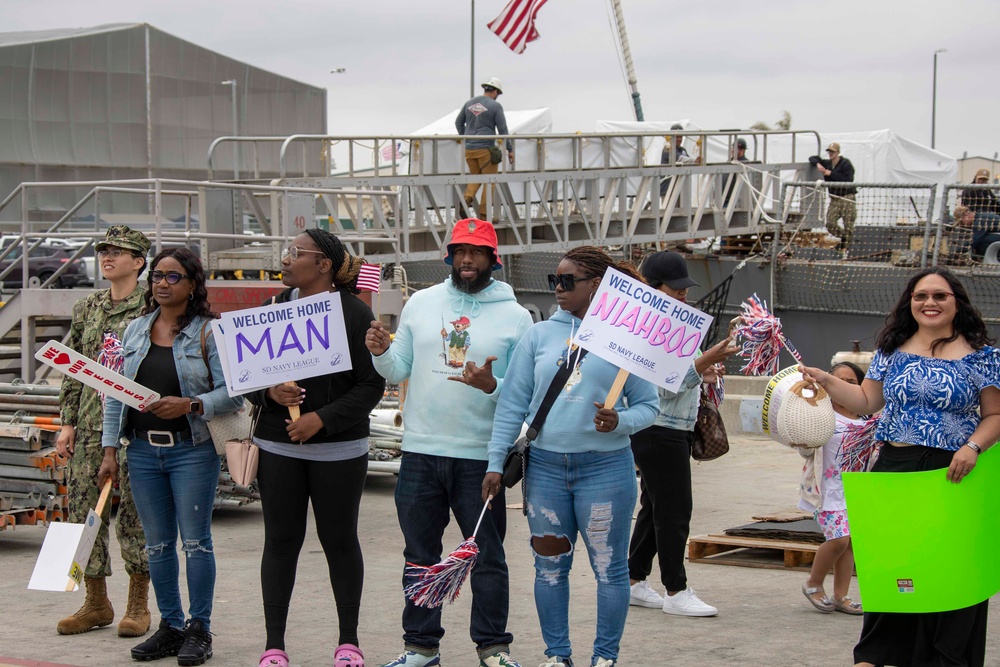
[(172, 277), (293, 252), (565, 280), (114, 253), (939, 297)]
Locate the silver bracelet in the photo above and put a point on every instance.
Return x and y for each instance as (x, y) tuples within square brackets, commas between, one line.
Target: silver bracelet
[(974, 447)]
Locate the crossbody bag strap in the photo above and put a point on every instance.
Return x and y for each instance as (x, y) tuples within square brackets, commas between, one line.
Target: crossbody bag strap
[(558, 382)]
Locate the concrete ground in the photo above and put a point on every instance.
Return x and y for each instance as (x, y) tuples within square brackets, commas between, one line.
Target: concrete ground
[(763, 617)]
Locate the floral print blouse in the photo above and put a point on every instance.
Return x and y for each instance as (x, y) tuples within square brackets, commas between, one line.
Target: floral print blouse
[(929, 401)]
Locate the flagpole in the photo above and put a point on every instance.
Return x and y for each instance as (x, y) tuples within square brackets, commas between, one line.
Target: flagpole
[(472, 54), (627, 55)]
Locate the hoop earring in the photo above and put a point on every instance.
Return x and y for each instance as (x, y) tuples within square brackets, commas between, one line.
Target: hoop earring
[(591, 299), (191, 296)]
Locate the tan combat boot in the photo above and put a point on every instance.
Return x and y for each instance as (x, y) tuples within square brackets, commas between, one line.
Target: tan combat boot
[(135, 622), (96, 611)]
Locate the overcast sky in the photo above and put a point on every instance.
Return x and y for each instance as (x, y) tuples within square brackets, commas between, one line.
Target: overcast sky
[(835, 66)]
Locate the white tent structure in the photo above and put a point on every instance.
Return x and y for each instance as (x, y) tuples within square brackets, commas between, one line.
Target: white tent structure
[(882, 156)]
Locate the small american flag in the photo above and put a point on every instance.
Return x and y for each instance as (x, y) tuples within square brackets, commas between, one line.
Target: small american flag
[(516, 23), (392, 151), (370, 277)]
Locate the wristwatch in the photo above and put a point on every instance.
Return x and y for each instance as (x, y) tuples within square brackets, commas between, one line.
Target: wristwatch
[(974, 447), (196, 406)]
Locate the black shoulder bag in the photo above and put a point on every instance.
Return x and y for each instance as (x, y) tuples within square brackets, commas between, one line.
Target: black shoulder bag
[(516, 463)]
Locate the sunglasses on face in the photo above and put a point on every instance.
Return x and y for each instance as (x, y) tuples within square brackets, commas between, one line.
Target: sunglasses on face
[(566, 281), (939, 297), (172, 277), (293, 252)]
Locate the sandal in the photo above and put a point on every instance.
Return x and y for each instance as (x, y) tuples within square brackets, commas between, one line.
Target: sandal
[(823, 604), (848, 606), (274, 657), (348, 655)]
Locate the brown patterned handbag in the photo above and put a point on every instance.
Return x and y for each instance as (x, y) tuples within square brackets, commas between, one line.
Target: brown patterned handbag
[(710, 439)]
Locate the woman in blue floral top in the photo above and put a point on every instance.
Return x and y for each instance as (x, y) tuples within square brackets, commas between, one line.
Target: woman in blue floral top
[(938, 377)]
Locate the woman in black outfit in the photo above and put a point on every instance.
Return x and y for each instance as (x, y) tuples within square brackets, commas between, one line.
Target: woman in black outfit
[(322, 457)]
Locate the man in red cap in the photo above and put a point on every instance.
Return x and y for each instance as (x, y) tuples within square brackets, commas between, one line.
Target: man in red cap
[(454, 382)]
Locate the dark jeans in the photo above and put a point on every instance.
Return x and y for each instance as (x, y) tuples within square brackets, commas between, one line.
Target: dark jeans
[(663, 456), (427, 488)]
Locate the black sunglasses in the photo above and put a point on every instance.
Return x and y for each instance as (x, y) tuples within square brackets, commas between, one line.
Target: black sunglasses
[(565, 280)]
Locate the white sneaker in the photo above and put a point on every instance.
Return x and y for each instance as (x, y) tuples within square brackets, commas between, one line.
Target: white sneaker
[(687, 603), (556, 661), (643, 595), (498, 659), (604, 662), (411, 659)]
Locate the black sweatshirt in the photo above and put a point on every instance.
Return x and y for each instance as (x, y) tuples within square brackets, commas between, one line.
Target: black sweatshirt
[(843, 173), (343, 401)]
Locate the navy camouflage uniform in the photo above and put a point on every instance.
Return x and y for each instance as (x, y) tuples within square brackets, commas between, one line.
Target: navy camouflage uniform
[(95, 319)]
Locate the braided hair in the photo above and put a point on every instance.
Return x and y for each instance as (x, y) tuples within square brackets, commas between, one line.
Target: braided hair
[(595, 262), (345, 268)]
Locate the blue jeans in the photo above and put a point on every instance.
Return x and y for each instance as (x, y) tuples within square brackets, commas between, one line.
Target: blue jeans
[(174, 488), (986, 230), (593, 494), (428, 487)]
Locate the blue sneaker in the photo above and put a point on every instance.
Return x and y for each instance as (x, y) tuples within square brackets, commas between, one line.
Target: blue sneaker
[(411, 659)]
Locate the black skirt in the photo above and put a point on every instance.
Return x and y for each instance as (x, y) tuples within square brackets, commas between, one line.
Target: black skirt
[(922, 640)]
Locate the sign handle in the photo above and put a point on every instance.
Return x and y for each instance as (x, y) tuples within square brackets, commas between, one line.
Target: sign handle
[(103, 498), (293, 410), (616, 388)]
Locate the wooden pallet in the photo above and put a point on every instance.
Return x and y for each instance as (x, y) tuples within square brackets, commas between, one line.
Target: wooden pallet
[(751, 552)]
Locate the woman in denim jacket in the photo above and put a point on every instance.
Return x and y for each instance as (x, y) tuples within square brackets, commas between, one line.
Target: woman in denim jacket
[(173, 466)]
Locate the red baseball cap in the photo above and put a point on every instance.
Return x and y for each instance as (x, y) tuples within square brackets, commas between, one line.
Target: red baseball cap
[(472, 231)]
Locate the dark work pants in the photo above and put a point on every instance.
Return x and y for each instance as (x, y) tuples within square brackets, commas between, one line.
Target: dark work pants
[(663, 456)]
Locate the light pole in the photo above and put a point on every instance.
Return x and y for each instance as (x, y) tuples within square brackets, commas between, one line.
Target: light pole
[(934, 98), (236, 130)]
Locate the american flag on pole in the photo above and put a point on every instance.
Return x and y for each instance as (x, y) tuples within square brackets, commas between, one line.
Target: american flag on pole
[(370, 277), (516, 23), (392, 151)]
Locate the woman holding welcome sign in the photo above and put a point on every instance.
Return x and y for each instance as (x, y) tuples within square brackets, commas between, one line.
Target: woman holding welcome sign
[(321, 457), (581, 475), (938, 378), (172, 462)]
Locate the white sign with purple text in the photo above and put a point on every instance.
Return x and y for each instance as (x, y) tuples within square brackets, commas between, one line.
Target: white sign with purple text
[(281, 342), (642, 330)]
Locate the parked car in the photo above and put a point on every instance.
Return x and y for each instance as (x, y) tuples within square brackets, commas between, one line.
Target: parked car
[(43, 262)]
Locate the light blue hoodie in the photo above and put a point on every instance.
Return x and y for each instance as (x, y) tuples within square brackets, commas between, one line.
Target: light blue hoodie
[(569, 427), (443, 417)]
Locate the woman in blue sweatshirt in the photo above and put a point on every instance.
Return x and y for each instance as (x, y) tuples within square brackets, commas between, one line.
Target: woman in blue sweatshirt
[(581, 474)]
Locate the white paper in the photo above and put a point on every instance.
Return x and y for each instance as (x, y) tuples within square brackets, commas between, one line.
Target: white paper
[(642, 330), (55, 559)]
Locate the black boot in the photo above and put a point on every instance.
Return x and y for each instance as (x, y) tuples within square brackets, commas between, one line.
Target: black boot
[(197, 646), (165, 641)]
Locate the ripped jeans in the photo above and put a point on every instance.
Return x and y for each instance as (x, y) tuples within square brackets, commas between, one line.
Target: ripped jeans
[(174, 488), (593, 494)]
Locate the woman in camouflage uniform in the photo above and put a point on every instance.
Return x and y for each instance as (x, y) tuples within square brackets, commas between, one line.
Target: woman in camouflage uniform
[(99, 322)]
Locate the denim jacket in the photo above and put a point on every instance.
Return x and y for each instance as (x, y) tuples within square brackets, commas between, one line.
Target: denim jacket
[(679, 409), (191, 371)]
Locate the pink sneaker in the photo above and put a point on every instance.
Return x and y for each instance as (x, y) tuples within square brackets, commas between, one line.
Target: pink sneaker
[(348, 655), (274, 657)]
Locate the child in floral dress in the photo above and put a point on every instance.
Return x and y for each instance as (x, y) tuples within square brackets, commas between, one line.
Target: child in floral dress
[(823, 494)]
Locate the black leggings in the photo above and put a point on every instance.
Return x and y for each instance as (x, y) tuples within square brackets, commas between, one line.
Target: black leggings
[(334, 487)]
